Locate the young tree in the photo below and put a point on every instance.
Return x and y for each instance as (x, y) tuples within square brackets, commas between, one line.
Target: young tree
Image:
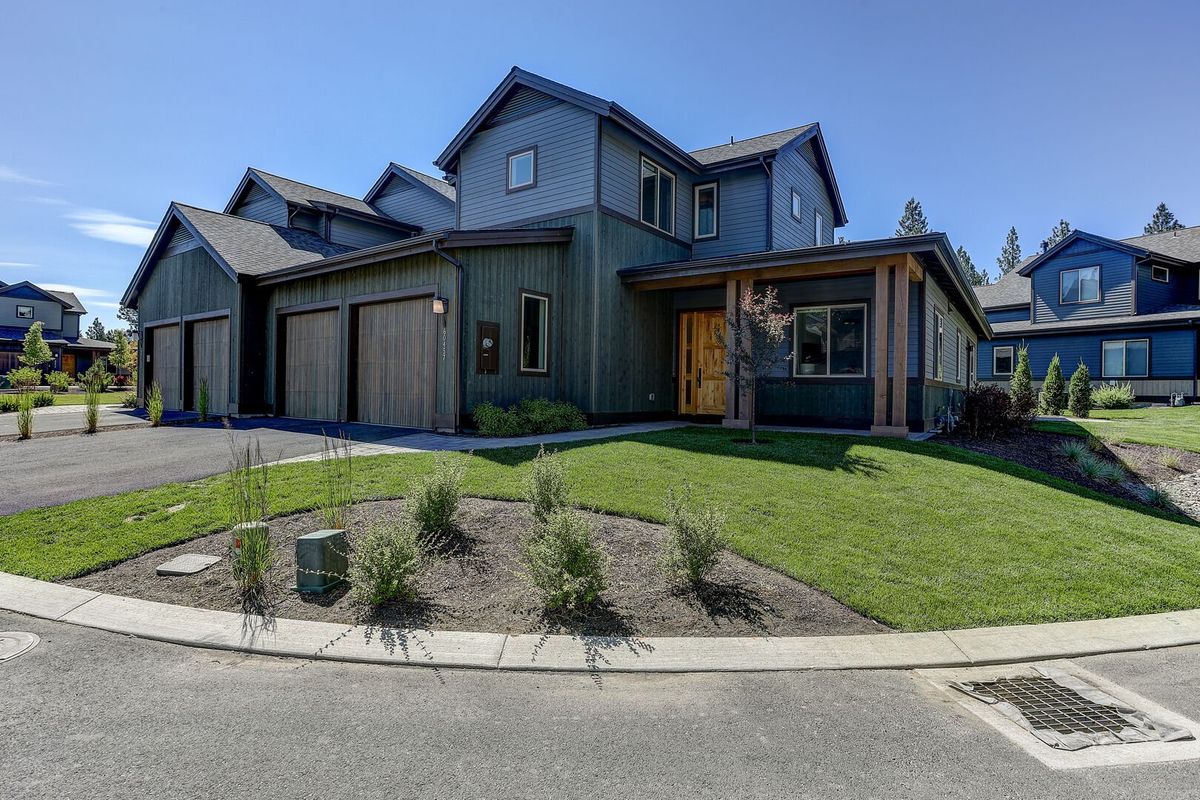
[(37, 352), (912, 221), (1059, 232), (96, 330), (1080, 400), (1010, 254), (1054, 389), (1024, 401), (755, 334), (130, 317), (1163, 220), (121, 356), (977, 277)]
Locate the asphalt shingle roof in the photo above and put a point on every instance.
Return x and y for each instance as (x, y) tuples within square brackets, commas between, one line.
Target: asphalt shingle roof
[(1010, 290), (303, 194), (68, 297), (95, 344), (441, 187), (1176, 313), (1183, 244), (251, 247), (767, 143)]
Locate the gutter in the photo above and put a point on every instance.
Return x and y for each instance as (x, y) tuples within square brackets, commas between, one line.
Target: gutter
[(458, 322)]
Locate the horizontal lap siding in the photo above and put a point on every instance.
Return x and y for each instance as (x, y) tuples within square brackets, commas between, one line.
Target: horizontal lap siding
[(1008, 315), (1116, 284), (1172, 352), (416, 206), (953, 323), (741, 215), (48, 312), (263, 206), (620, 178), (795, 168), (1153, 295)]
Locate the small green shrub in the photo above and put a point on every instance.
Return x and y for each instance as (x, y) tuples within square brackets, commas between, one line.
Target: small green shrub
[(24, 377), (987, 411), (25, 416), (386, 562), (41, 399), (97, 376), (9, 403), (58, 381), (491, 420), (1079, 394), (564, 562), (1117, 396), (547, 488), (531, 415), (1024, 401), (202, 400), (433, 500), (1073, 450), (696, 536), (154, 404), (1053, 398), (129, 400), (1171, 460)]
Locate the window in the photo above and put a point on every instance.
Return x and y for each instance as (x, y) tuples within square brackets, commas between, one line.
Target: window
[(658, 197), (796, 211), (1002, 361), (535, 329), (939, 348), (1126, 359), (1160, 274), (830, 341), (818, 227), (522, 169), (1079, 285), (24, 312), (705, 211), (959, 359)]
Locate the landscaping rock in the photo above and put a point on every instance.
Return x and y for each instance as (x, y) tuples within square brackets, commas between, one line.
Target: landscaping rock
[(187, 564)]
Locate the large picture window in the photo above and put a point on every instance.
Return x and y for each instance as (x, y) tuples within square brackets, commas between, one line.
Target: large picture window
[(830, 341), (535, 332), (1079, 285), (1002, 361), (705, 211), (658, 196), (1126, 359)]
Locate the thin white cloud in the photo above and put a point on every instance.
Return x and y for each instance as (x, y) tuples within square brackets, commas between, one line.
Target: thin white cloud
[(45, 201), (10, 175), (112, 227), (78, 291), (104, 303), (17, 264)]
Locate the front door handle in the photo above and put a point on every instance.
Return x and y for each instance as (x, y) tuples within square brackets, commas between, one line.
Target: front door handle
[(699, 377)]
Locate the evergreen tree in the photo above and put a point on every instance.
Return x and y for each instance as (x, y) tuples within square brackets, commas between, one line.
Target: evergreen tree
[(843, 240), (977, 277), (1059, 232), (130, 317), (37, 352), (1054, 389), (912, 221), (1024, 401), (96, 331), (1010, 254), (1163, 220), (1080, 400)]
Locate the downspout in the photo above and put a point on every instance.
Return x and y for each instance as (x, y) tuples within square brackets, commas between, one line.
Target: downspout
[(459, 279)]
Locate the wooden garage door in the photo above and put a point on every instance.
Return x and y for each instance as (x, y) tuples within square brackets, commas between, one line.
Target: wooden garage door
[(310, 365), (210, 362), (395, 369), (164, 365)]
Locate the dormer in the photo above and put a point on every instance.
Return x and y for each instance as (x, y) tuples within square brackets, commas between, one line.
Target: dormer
[(408, 195)]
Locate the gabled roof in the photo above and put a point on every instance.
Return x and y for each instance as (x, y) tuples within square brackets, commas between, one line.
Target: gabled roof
[(414, 178), (768, 143), (53, 297), (1112, 244), (1012, 289), (297, 193), (1183, 244), (70, 299)]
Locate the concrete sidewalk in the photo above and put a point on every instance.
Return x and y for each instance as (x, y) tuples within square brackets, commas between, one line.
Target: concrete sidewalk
[(551, 653)]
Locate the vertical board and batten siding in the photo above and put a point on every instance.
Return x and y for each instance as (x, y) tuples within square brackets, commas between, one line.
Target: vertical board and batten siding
[(165, 343), (1008, 315), (741, 214), (1172, 352), (415, 205), (259, 204), (359, 234), (311, 362), (395, 363), (796, 168), (620, 178), (565, 137), (210, 363), (1116, 283)]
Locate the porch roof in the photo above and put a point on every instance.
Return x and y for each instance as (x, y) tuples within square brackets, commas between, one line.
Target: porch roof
[(932, 250)]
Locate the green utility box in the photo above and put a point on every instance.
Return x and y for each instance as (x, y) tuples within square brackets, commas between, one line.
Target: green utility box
[(321, 561)]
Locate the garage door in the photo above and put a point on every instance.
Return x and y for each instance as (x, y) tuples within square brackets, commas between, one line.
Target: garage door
[(395, 348), (210, 363), (164, 365), (310, 365)]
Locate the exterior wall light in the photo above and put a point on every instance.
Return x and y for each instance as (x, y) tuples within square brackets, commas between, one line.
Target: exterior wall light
[(440, 305)]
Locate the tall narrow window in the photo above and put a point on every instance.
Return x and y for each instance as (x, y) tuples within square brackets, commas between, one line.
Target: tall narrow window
[(796, 211), (1002, 361), (818, 228), (658, 197), (1079, 285), (535, 331), (705, 211), (522, 169), (959, 356), (1126, 359), (830, 341), (939, 348)]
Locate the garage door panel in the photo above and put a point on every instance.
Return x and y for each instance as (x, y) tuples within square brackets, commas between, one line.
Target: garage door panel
[(310, 369), (395, 351), (164, 365), (210, 363)]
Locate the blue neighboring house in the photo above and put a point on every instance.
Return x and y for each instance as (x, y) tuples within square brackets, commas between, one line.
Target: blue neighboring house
[(24, 303), (1127, 308)]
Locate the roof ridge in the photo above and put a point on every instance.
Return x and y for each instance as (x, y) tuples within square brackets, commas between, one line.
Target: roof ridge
[(1161, 233), (302, 183), (229, 216), (752, 138)]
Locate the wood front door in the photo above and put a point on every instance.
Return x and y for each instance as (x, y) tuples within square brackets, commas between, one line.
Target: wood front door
[(702, 362), (68, 364)]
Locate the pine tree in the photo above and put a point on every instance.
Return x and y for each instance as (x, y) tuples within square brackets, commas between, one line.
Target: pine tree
[(1163, 220), (912, 221), (96, 331), (1024, 401), (976, 277), (37, 352), (1054, 389), (1010, 254), (1080, 400), (1059, 232), (130, 317)]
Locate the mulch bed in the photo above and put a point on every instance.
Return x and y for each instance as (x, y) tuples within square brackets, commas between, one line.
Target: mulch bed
[(477, 585)]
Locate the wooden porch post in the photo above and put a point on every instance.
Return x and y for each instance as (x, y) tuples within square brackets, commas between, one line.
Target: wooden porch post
[(881, 351), (900, 359), (736, 407)]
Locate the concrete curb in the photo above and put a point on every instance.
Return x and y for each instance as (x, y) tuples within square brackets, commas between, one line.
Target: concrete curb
[(374, 645)]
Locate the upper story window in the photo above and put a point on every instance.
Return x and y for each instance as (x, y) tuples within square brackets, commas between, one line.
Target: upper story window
[(705, 211), (1160, 274), (658, 196), (24, 312), (818, 228), (796, 210), (1126, 359), (535, 333), (522, 169), (1002, 361), (830, 341), (1079, 285)]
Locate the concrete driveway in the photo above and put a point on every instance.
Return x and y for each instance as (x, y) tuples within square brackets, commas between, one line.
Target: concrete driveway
[(53, 470)]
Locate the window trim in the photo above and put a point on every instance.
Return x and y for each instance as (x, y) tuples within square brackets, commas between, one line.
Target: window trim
[(939, 347), (1012, 360), (797, 208), (521, 295), (30, 315), (532, 151), (1099, 287), (642, 161), (828, 309), (818, 227), (716, 234), (1124, 357), (1166, 271)]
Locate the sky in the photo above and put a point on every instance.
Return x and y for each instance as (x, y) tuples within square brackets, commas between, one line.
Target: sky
[(990, 114)]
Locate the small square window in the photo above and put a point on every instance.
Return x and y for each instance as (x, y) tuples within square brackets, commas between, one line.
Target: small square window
[(796, 209), (24, 312), (1079, 286), (1002, 361), (1160, 274), (522, 169)]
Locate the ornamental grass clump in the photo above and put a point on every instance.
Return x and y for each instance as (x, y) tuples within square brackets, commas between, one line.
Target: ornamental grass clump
[(386, 563), (564, 562), (546, 489), (337, 482), (251, 554), (1171, 460), (202, 400), (1073, 450), (695, 536), (433, 501), (94, 384), (154, 404), (25, 415)]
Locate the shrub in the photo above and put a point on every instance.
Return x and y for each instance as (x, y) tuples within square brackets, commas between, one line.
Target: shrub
[(1073, 450), (547, 488), (531, 415), (491, 420), (1112, 473), (386, 563), (695, 538), (564, 562), (154, 404), (58, 381), (1053, 398), (202, 400), (1023, 399), (129, 401), (1090, 467), (1079, 396), (433, 500), (25, 416), (24, 377), (337, 483), (987, 411), (9, 402), (1171, 460), (97, 376), (41, 399), (1117, 396), (120, 381)]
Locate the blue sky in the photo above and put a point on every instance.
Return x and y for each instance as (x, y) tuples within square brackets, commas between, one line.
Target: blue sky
[(990, 114)]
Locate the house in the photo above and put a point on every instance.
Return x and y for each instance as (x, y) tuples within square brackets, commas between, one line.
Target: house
[(1127, 308), (571, 251), (24, 303)]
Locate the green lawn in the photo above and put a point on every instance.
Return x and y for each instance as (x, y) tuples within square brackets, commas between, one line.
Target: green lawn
[(1167, 427), (917, 535), (77, 398)]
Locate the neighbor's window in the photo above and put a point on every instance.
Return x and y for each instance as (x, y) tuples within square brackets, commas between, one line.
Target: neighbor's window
[(1079, 285), (705, 211), (535, 329), (818, 228), (830, 341), (522, 169), (1160, 274), (1126, 359), (658, 196), (24, 312), (796, 206), (1002, 360), (939, 348)]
